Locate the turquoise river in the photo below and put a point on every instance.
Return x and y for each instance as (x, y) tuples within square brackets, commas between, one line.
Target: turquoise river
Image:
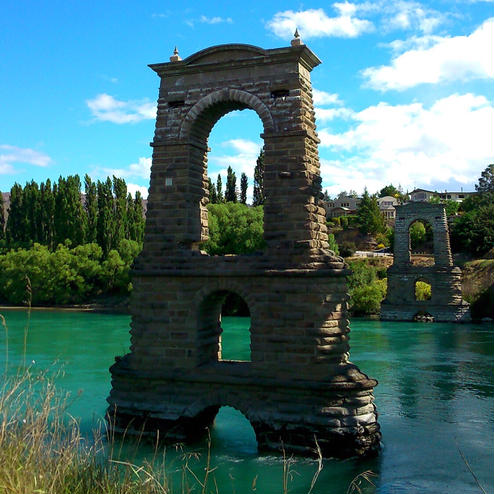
[(435, 400)]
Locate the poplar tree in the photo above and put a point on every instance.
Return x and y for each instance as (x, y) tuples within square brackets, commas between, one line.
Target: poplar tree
[(120, 209), (213, 196), (2, 217), (231, 186), (47, 213), (69, 212), (91, 207), (243, 188), (219, 190), (15, 229), (105, 224), (258, 194), (139, 218)]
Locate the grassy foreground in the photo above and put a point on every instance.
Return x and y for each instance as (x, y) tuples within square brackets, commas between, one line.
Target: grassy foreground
[(42, 451)]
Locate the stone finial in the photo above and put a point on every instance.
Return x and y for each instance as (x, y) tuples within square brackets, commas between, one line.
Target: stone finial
[(297, 40), (175, 57)]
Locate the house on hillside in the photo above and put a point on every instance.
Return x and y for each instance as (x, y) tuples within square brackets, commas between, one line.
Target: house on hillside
[(342, 206), (422, 195), (387, 207)]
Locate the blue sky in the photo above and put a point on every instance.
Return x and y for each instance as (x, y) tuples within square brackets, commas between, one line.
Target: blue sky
[(404, 94)]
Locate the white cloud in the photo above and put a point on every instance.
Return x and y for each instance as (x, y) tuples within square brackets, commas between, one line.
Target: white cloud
[(314, 23), (324, 98), (412, 145), (242, 157), (215, 20), (448, 59), (141, 169), (133, 188), (106, 108), (13, 154), (327, 114)]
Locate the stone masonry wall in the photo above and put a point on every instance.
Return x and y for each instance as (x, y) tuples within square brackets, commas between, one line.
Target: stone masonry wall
[(446, 303), (299, 383)]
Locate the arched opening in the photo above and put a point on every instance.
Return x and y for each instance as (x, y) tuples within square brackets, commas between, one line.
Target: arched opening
[(224, 328), (235, 215), (422, 290), (228, 132), (232, 432), (421, 243)]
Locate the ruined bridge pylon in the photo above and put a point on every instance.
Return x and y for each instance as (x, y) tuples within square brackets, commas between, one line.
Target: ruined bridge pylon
[(299, 384), (446, 303)]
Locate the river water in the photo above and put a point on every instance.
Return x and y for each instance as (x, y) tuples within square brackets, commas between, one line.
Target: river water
[(435, 399)]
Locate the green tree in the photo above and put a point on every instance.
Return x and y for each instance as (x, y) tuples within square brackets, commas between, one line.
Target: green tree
[(213, 196), (69, 217), (106, 224), (219, 190), (234, 228), (136, 219), (91, 207), (231, 186), (486, 181), (47, 214), (2, 217), (473, 230), (369, 216), (244, 184), (16, 232), (258, 194), (120, 210), (417, 234)]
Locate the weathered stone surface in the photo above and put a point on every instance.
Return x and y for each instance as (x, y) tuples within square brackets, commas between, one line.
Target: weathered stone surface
[(298, 386), (446, 303)]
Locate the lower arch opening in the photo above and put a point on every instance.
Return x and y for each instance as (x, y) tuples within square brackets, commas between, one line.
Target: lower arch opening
[(232, 432)]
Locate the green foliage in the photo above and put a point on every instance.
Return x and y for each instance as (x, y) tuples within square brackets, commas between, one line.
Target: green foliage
[(347, 249), (219, 190), (486, 181), (362, 274), (417, 234), (213, 196), (366, 299), (231, 186), (473, 231), (65, 276), (423, 290), (244, 184), (234, 228), (369, 216), (258, 195), (332, 244), (367, 287)]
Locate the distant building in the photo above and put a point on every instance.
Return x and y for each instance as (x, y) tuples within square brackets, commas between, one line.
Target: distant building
[(342, 206), (421, 195), (387, 207)]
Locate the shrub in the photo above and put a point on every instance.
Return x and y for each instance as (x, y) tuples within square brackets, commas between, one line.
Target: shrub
[(422, 291), (366, 299), (347, 249)]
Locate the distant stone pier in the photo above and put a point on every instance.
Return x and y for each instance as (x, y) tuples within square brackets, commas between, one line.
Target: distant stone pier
[(446, 303), (298, 387)]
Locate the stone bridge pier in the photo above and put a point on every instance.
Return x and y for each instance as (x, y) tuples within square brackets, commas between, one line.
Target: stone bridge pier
[(299, 386), (446, 303)]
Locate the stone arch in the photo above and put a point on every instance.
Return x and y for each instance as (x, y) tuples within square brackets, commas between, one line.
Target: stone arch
[(208, 110), (427, 224), (209, 330)]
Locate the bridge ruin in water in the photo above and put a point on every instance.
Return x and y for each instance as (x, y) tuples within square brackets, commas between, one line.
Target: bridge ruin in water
[(299, 385)]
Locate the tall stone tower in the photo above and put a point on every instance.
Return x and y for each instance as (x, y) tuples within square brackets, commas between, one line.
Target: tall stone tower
[(446, 303), (299, 384)]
